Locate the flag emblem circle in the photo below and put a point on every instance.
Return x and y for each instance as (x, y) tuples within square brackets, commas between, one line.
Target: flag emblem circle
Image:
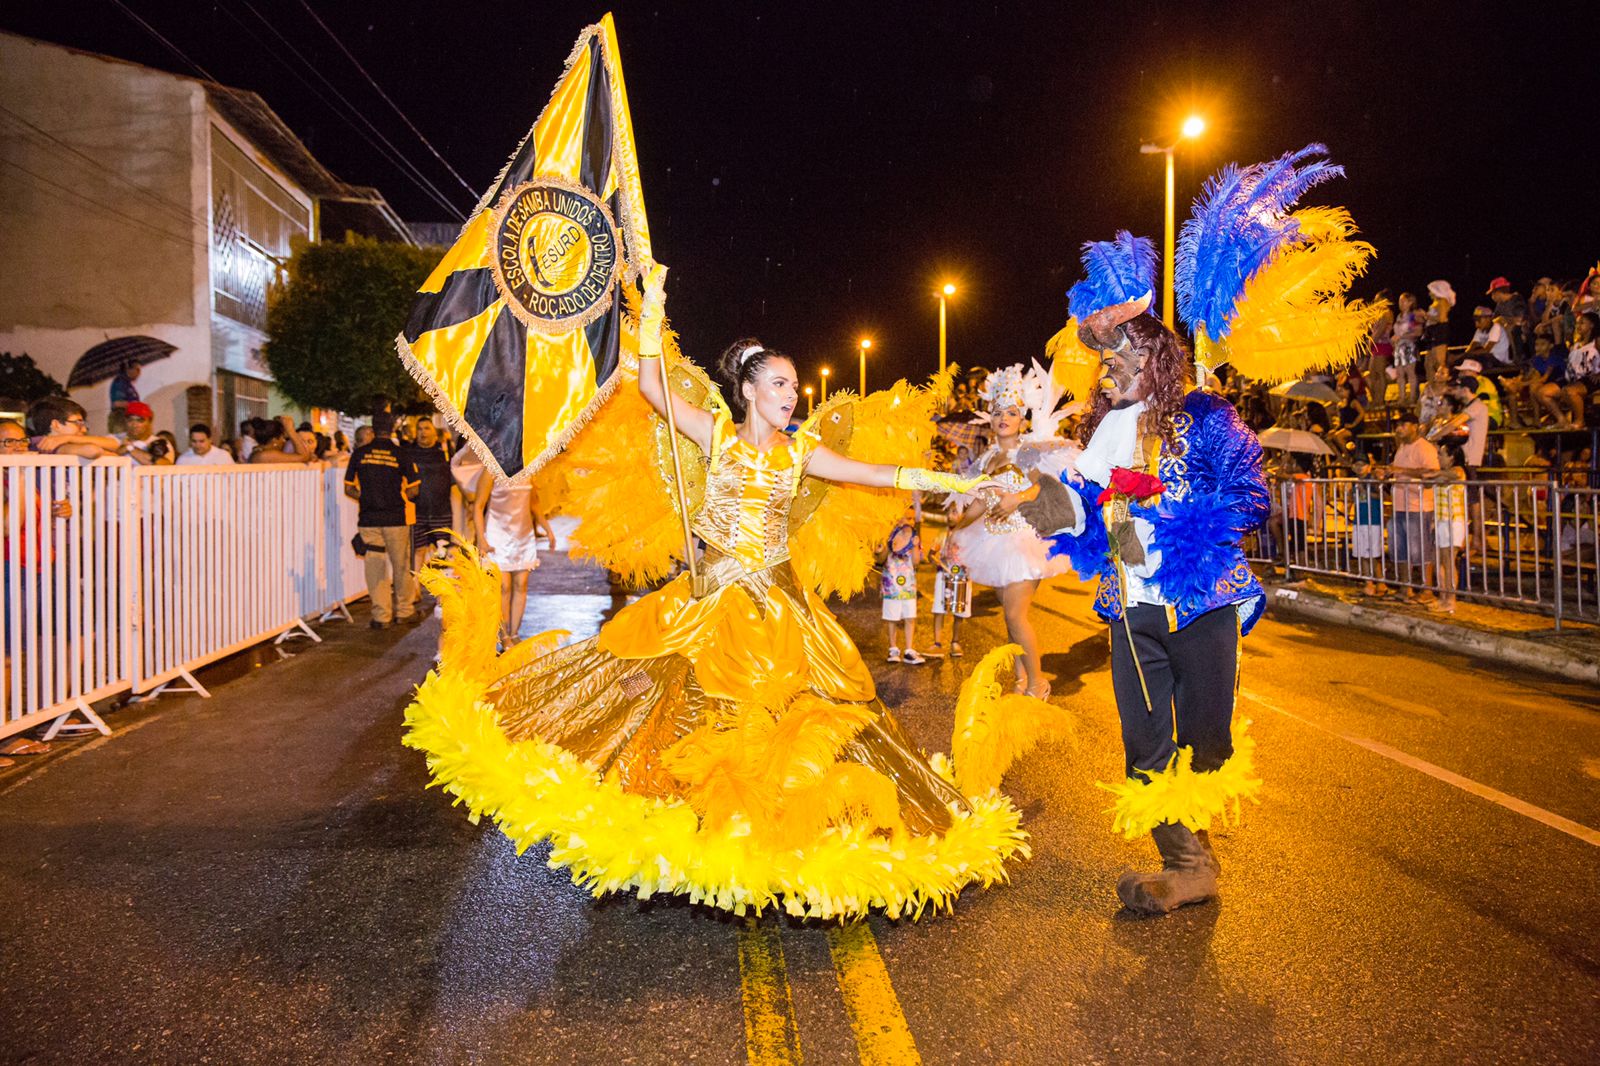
[(555, 254)]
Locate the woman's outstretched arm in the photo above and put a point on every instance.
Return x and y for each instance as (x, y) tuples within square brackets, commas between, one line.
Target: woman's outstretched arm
[(692, 422), (831, 466)]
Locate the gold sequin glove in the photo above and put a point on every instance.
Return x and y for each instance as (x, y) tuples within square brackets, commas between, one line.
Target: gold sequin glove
[(915, 477), (653, 311)]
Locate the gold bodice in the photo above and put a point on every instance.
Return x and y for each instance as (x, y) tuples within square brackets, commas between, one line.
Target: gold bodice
[(748, 492)]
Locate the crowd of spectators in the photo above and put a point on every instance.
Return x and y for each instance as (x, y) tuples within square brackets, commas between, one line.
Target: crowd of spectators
[(1531, 366)]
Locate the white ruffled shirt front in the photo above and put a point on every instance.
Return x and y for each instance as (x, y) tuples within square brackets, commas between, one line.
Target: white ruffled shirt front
[(1116, 443)]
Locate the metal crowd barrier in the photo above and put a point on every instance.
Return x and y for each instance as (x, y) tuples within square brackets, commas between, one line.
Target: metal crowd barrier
[(1526, 544), (123, 578)]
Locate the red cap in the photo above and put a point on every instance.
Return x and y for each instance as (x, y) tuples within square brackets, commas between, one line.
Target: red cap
[(140, 409), (1498, 283)]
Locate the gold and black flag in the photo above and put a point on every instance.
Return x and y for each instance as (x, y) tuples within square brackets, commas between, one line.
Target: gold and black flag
[(517, 333)]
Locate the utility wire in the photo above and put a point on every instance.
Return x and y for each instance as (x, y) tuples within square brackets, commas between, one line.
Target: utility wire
[(179, 212), (152, 31), (388, 100), (387, 147), (107, 208)]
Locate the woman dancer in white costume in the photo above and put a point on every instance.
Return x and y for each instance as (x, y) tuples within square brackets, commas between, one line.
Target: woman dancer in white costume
[(998, 546)]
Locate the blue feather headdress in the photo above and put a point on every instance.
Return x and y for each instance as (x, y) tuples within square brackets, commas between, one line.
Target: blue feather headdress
[(1241, 219), (1115, 272)]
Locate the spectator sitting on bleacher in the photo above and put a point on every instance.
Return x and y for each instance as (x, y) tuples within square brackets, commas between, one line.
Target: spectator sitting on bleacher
[(1583, 366), (1490, 342), (1536, 393), (1485, 388), (1435, 400)]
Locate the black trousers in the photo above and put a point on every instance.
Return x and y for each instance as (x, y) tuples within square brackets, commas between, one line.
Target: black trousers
[(1190, 675)]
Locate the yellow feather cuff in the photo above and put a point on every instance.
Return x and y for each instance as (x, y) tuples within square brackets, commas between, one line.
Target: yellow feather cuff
[(1184, 795), (915, 477)]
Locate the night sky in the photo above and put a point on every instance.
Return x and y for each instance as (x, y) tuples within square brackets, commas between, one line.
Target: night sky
[(813, 170)]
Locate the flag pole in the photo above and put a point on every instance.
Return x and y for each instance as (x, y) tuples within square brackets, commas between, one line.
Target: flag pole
[(677, 474), (633, 206)]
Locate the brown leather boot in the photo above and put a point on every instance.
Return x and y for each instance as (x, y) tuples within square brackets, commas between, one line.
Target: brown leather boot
[(1188, 873)]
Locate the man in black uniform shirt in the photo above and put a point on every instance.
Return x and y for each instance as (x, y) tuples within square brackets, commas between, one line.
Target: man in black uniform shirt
[(382, 477), (431, 527)]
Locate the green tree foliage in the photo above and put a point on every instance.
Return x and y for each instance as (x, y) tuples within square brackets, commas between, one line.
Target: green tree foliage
[(21, 379), (333, 324)]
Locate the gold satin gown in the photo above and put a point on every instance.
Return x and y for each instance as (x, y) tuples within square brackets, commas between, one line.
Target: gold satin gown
[(727, 745)]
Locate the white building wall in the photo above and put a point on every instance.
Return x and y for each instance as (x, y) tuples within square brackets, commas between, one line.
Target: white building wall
[(104, 217)]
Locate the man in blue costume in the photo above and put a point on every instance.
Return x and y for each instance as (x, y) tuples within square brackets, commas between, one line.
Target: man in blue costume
[(1168, 484)]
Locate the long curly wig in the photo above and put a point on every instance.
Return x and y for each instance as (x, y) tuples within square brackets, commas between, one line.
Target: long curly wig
[(1168, 372)]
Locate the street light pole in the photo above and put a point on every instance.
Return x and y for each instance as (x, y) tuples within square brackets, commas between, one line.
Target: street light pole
[(866, 342), (1193, 126), (944, 294), (1169, 246), (809, 391), (824, 397)]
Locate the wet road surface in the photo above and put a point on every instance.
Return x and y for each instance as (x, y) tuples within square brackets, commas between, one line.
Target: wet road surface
[(262, 877)]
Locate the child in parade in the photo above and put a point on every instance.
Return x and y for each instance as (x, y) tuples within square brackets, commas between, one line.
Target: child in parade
[(899, 589), (952, 596)]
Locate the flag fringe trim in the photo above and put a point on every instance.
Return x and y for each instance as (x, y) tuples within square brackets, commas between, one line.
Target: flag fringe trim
[(627, 269), (457, 421)]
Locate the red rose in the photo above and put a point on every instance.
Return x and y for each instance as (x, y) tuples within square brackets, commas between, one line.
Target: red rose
[(1131, 483)]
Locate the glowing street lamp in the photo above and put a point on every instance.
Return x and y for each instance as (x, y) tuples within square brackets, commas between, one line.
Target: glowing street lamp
[(866, 342), (1192, 127), (808, 391), (825, 373), (945, 293)]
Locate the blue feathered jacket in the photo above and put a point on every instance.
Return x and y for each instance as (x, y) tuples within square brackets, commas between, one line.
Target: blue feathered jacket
[(1215, 494)]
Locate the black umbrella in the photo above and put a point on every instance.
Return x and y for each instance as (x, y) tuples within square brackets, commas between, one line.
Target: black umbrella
[(104, 360)]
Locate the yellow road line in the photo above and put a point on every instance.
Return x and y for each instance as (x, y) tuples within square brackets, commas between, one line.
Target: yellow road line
[(882, 1036), (770, 1035)]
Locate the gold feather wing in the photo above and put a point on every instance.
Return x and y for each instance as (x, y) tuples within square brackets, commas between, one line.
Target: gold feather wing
[(835, 531), (618, 474), (1293, 317)]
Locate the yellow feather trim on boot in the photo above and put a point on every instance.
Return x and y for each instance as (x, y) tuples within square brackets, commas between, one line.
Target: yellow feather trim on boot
[(994, 727), (1186, 796)]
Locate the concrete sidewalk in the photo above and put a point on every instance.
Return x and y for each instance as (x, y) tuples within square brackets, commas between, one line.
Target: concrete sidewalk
[(1514, 638)]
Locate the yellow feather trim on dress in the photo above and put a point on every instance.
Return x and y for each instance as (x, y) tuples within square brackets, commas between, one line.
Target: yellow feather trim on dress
[(1292, 317), (995, 727), (836, 531), (612, 840), (1183, 795)]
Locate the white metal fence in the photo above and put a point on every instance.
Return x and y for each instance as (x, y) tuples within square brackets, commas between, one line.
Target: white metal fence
[(125, 578), (1529, 544)]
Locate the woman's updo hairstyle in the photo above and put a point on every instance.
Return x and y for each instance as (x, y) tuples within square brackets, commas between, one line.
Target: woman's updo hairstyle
[(738, 365)]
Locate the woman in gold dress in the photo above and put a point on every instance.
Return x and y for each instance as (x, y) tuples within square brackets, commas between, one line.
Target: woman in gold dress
[(725, 741)]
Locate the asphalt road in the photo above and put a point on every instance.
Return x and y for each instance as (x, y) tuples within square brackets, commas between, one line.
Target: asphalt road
[(262, 877)]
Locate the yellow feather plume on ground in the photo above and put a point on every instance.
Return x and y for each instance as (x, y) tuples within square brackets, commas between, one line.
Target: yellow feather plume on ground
[(1181, 794), (612, 840), (467, 590), (1293, 317), (834, 543), (994, 727)]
